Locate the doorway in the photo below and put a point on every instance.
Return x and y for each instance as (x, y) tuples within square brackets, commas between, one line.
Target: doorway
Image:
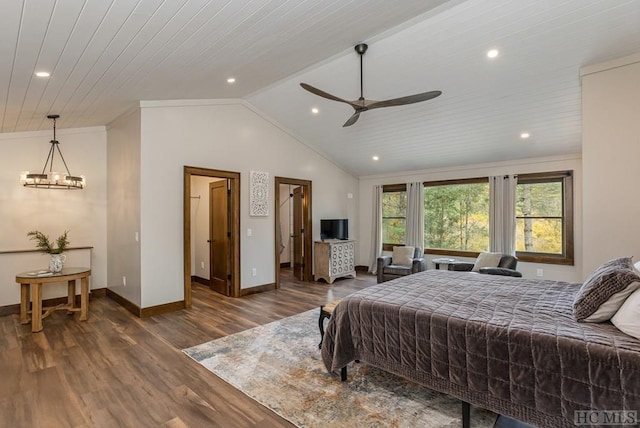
[(223, 239), (293, 225)]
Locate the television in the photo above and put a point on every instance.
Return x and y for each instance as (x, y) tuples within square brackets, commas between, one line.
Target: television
[(334, 229)]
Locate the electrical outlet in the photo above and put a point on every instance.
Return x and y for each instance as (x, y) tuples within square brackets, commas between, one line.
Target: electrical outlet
[(254, 272), (201, 265), (249, 232), (539, 273), (124, 281)]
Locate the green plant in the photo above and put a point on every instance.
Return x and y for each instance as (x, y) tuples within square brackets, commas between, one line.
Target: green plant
[(43, 244)]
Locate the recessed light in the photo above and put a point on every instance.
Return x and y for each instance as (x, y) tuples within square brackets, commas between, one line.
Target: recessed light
[(43, 74), (492, 53), (315, 110), (375, 158), (231, 80), (525, 135)]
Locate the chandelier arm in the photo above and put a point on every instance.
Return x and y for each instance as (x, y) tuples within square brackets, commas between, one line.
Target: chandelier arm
[(62, 157), (49, 158)]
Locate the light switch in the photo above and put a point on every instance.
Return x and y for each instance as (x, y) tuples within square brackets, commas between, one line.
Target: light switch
[(249, 232)]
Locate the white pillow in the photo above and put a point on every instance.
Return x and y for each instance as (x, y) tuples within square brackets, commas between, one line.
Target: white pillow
[(611, 306), (627, 319), (403, 256), (486, 260)]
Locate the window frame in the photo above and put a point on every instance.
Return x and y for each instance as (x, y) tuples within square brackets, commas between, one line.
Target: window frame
[(567, 256), (447, 252), (390, 188)]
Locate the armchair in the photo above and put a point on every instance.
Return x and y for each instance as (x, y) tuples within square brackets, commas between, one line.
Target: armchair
[(506, 266), (388, 270)]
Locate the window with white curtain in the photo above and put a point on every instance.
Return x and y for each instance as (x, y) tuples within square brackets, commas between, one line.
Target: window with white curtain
[(457, 217)]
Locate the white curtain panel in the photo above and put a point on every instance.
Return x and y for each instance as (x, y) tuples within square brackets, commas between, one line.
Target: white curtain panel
[(376, 229), (502, 213), (415, 215)]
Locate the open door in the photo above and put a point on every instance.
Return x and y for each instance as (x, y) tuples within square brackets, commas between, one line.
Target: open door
[(219, 245), (302, 228), (298, 233)]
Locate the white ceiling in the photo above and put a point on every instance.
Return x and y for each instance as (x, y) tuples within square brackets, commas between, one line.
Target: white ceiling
[(105, 56)]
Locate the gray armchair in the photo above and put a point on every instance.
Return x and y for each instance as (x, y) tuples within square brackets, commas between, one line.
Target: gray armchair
[(506, 267), (387, 270)]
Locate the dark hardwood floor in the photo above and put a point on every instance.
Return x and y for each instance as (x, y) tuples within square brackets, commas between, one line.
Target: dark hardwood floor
[(116, 370)]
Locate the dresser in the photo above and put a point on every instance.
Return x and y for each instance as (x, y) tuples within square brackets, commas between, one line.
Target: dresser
[(334, 259)]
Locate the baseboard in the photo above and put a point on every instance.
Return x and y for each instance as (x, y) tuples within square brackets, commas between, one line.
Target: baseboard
[(258, 289), (15, 309), (130, 306), (145, 312), (201, 280), (161, 309)]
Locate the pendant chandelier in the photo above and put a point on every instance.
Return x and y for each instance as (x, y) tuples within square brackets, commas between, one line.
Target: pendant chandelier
[(48, 178)]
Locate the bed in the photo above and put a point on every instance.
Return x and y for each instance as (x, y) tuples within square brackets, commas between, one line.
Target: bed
[(509, 345)]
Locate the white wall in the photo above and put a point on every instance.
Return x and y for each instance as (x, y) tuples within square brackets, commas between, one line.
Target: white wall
[(611, 155), (123, 211), (557, 272), (228, 135), (82, 212)]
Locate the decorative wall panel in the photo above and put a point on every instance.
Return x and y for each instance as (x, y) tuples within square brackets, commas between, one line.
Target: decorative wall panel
[(259, 194)]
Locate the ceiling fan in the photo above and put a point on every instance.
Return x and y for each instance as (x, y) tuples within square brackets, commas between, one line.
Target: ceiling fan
[(361, 104)]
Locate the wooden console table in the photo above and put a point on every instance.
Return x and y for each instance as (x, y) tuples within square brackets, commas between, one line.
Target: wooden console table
[(27, 279)]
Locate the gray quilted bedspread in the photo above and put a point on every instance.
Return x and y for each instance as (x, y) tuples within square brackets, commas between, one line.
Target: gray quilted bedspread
[(506, 344)]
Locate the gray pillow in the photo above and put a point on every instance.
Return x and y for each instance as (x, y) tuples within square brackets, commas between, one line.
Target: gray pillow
[(604, 282)]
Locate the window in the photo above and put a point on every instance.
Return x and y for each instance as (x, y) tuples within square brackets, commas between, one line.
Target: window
[(544, 218), (394, 215), (456, 216)]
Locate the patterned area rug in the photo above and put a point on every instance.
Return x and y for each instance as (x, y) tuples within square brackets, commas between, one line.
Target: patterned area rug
[(279, 365)]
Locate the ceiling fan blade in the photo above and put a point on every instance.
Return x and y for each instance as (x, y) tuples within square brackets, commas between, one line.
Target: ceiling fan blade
[(323, 94), (353, 119), (410, 99)]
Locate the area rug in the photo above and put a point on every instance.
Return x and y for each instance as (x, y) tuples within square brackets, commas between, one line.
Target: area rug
[(279, 365)]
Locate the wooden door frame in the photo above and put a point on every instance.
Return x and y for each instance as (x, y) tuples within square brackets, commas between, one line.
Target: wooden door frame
[(308, 227), (234, 226)]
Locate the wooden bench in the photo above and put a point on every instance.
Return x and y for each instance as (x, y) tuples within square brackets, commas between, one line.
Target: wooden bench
[(325, 313)]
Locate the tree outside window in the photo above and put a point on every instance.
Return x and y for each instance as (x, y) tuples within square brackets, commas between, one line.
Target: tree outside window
[(544, 227), (394, 215), (457, 215)]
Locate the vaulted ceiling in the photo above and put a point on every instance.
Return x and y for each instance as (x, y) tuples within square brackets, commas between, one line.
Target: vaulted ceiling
[(105, 56)]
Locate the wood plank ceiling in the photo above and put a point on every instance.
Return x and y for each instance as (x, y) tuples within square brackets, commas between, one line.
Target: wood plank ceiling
[(105, 56)]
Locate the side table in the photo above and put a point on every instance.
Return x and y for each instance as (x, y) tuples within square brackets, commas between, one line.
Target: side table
[(443, 261), (37, 280)]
